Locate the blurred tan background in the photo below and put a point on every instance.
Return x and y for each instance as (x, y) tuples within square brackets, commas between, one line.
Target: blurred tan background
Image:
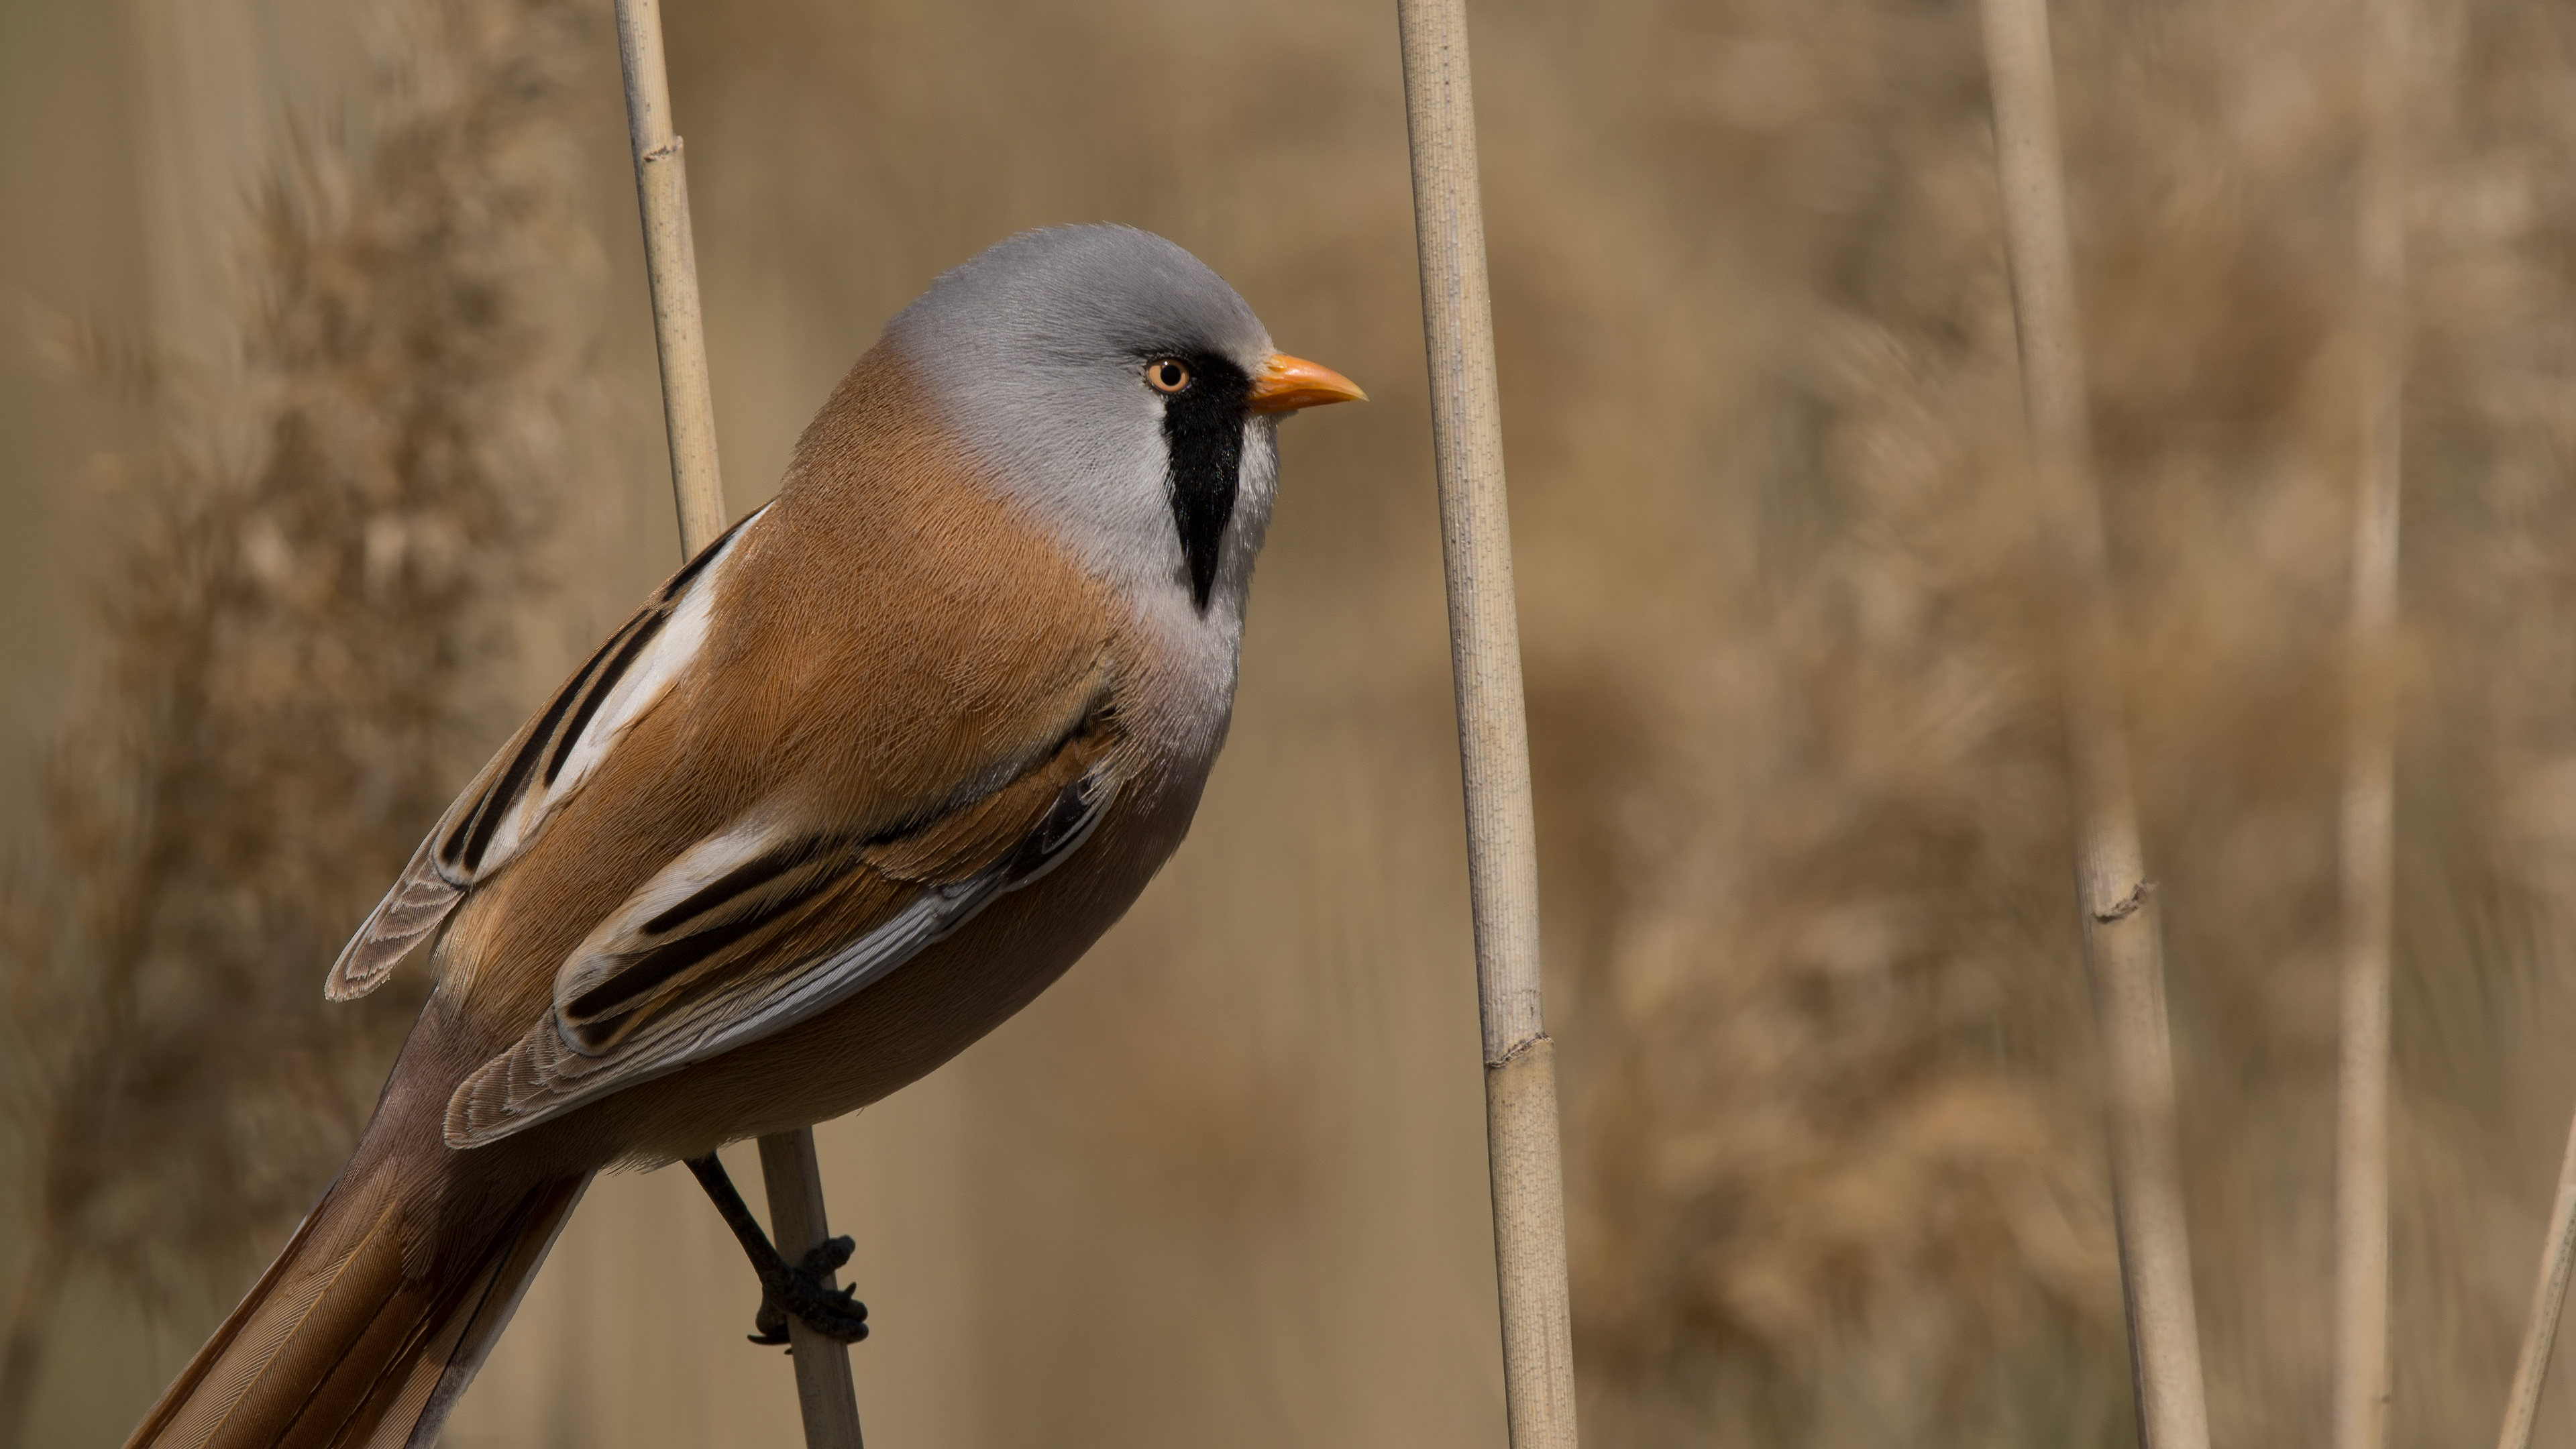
[(336, 440)]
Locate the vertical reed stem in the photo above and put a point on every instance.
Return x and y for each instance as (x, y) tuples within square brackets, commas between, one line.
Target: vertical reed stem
[(793, 1177), (671, 262), (824, 1393), (2548, 1298), (2122, 948), (2367, 845), (1466, 430)]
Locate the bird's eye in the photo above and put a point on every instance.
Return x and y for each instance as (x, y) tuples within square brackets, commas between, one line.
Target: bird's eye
[(1167, 374)]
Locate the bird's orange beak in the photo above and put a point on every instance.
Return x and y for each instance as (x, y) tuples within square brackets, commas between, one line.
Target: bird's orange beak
[(1286, 384)]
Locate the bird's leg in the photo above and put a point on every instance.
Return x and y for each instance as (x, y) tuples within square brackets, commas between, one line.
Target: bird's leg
[(786, 1289)]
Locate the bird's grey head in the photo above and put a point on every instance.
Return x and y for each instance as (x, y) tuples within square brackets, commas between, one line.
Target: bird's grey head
[(1124, 393)]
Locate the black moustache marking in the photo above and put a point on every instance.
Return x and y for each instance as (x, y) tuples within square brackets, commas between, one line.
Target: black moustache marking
[(1203, 431)]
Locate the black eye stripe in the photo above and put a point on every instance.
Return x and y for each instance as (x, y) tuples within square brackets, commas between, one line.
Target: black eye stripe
[(1203, 431)]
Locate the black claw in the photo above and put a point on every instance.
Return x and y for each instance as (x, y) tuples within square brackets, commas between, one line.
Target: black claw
[(829, 1255), (785, 1292), (835, 1313)]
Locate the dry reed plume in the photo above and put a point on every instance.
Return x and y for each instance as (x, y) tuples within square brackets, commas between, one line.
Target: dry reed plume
[(317, 559)]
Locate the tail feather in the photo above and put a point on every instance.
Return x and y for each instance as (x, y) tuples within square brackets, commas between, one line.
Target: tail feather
[(439, 1378), (356, 1337)]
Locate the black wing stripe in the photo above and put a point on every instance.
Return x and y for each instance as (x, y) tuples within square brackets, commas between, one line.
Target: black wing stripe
[(505, 793), (454, 849), (757, 871), (466, 844), (659, 965), (662, 963), (599, 690), (707, 555)]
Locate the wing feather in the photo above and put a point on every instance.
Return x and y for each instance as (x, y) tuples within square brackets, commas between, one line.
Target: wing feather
[(511, 798), (757, 930), (417, 905)]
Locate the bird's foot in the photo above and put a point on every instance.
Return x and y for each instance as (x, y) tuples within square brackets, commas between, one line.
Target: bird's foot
[(787, 1290), (798, 1292)]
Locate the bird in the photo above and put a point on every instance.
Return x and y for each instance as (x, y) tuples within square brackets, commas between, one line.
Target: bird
[(858, 782)]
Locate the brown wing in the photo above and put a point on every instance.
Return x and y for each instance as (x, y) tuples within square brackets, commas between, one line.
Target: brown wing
[(759, 929)]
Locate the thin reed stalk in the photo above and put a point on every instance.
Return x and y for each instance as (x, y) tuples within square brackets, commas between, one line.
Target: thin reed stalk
[(1502, 859), (671, 262), (2122, 946), (793, 1178), (825, 1395), (2360, 1384), (2548, 1300)]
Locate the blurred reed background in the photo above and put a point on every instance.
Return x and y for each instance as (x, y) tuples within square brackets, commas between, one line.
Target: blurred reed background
[(336, 441)]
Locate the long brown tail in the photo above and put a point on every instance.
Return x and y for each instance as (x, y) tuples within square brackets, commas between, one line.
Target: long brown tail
[(366, 1330)]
